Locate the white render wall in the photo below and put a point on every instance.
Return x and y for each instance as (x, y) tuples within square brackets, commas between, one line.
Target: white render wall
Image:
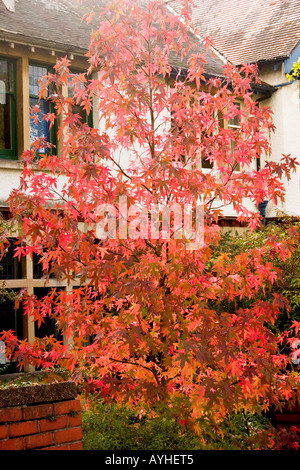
[(10, 171), (285, 104)]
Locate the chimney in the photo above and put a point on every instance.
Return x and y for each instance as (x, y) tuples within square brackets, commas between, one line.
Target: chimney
[(10, 4)]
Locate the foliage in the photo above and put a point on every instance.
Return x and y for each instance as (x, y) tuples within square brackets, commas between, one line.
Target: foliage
[(143, 311), (295, 72), (288, 270), (112, 426), (119, 427), (276, 439)]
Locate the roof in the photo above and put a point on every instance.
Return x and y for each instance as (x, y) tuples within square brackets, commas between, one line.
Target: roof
[(51, 23), (248, 31), (58, 24)]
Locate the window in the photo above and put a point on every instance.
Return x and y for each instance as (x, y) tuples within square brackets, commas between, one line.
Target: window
[(11, 318), (234, 124), (40, 128), (8, 94)]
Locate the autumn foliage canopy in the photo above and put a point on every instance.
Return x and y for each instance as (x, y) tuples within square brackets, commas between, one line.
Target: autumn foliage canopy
[(145, 316)]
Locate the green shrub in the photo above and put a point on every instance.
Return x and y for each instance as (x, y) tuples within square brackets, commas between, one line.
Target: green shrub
[(119, 427)]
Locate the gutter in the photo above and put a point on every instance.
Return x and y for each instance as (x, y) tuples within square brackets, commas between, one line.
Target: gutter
[(284, 84), (265, 90)]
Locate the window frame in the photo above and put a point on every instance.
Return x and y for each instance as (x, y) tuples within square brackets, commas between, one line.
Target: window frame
[(12, 153)]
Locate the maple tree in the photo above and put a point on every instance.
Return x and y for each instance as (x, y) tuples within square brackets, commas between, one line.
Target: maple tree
[(141, 322)]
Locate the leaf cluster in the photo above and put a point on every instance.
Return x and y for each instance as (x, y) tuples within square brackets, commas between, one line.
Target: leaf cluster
[(287, 281)]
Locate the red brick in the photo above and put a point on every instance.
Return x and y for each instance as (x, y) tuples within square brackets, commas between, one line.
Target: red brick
[(58, 423), (39, 440), (62, 447), (76, 446), (3, 431), (75, 420), (24, 428), (37, 411), (12, 444), (68, 435), (66, 407), (8, 415)]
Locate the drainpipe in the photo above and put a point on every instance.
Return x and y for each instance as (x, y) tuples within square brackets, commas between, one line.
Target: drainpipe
[(262, 209)]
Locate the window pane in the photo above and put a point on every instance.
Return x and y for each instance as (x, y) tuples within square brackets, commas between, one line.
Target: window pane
[(35, 74), (77, 109), (206, 163), (10, 267), (38, 272), (10, 317), (48, 326), (40, 128), (6, 87), (73, 85), (5, 124), (6, 75), (234, 122)]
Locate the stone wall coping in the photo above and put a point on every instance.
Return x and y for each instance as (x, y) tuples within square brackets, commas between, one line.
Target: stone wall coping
[(14, 395)]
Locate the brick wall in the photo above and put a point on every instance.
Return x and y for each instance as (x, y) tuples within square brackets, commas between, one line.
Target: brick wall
[(56, 425)]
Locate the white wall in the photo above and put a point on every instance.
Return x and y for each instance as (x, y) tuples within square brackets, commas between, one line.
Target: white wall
[(285, 104), (10, 172)]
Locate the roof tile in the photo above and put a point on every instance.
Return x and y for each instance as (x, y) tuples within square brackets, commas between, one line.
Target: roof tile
[(58, 24), (248, 31)]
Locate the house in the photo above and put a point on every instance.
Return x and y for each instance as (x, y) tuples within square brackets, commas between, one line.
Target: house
[(266, 33), (33, 35)]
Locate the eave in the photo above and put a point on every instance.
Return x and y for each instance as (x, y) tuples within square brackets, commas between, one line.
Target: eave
[(21, 39)]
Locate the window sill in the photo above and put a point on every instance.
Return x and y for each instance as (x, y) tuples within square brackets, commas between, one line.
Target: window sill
[(8, 164)]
